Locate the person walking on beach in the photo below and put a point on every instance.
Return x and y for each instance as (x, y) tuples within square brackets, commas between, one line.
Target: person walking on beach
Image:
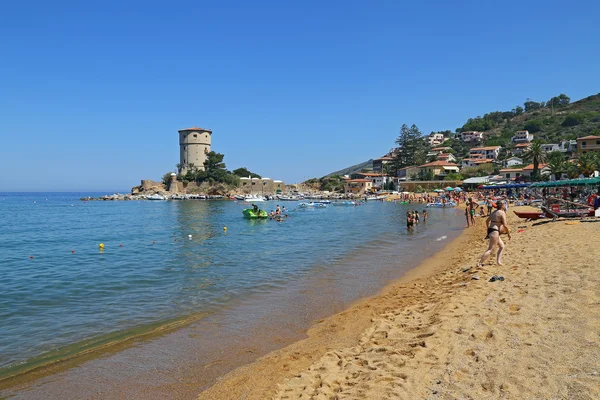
[(472, 206), (488, 204), (495, 223)]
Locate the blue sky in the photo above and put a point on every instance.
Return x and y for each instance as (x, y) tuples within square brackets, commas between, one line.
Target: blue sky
[(92, 93)]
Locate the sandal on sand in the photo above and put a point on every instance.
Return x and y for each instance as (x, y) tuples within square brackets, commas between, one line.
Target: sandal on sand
[(496, 278)]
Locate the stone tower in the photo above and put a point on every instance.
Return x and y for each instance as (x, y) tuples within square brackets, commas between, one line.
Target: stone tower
[(194, 144)]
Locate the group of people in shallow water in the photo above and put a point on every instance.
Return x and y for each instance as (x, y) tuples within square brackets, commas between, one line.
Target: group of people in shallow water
[(279, 214), (413, 218)]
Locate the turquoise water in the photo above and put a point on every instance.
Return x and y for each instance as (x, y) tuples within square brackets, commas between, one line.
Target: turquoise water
[(150, 272)]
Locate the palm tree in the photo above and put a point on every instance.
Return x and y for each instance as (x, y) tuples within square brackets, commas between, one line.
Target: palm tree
[(556, 164), (537, 156), (587, 163)]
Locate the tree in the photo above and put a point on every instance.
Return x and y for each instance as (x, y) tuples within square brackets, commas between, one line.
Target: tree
[(518, 110), (573, 119), (413, 148), (426, 176), (533, 126), (560, 100), (533, 105), (214, 167), (556, 164), (166, 179), (244, 173), (537, 156), (586, 164), (454, 176)]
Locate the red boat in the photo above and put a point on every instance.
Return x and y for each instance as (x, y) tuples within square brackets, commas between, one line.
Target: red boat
[(530, 215), (554, 212)]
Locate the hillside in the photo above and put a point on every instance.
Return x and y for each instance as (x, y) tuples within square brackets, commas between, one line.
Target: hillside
[(354, 168), (550, 123)]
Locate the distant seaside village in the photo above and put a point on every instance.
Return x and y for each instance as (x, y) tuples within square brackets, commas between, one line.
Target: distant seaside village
[(442, 169), (444, 164)]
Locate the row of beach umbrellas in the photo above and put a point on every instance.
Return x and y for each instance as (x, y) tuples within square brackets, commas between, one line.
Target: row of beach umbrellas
[(448, 189)]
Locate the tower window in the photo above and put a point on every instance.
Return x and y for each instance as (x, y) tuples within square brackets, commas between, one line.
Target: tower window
[(195, 135)]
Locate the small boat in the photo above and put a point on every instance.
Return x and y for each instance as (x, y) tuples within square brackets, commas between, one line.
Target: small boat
[(288, 198), (252, 198), (239, 197), (530, 215), (379, 197), (312, 205), (249, 213), (344, 203), (156, 196), (178, 197)]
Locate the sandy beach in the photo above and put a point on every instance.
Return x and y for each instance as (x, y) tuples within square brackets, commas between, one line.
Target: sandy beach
[(445, 332)]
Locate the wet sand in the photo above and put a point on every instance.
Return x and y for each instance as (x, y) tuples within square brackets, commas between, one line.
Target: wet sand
[(437, 333)]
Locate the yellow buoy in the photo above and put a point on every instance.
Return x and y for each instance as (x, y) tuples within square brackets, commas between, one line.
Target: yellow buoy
[(224, 228), (101, 245)]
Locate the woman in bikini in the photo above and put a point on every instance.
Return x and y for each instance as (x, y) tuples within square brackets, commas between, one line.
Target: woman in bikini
[(496, 223)]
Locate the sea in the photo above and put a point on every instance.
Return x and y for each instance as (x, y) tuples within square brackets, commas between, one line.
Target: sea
[(88, 288)]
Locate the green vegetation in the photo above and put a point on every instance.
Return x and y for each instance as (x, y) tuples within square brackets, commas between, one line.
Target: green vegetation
[(550, 121), (214, 171), (244, 173), (331, 183), (413, 147)]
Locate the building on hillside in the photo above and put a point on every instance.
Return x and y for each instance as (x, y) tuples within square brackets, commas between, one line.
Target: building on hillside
[(378, 163), (262, 186), (471, 136), (489, 152), (438, 150), (512, 161), (439, 169), (448, 157), (567, 146), (379, 180), (543, 170), (548, 147), (435, 138), (511, 173), (475, 161), (521, 148), (194, 144), (358, 187), (522, 137), (587, 144), (406, 173)]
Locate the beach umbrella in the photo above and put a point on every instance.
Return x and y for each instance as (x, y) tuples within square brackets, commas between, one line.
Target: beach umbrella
[(457, 189), (449, 188)]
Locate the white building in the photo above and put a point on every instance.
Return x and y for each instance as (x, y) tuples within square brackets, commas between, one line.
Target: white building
[(548, 147), (522, 137), (512, 161), (448, 157), (489, 152), (435, 138), (471, 136)]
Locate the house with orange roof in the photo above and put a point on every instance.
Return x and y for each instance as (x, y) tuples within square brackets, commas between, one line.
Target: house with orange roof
[(471, 136), (511, 173), (543, 170), (588, 143), (358, 187), (522, 137), (448, 157), (439, 169), (378, 163), (521, 148), (488, 152), (475, 161), (435, 138)]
